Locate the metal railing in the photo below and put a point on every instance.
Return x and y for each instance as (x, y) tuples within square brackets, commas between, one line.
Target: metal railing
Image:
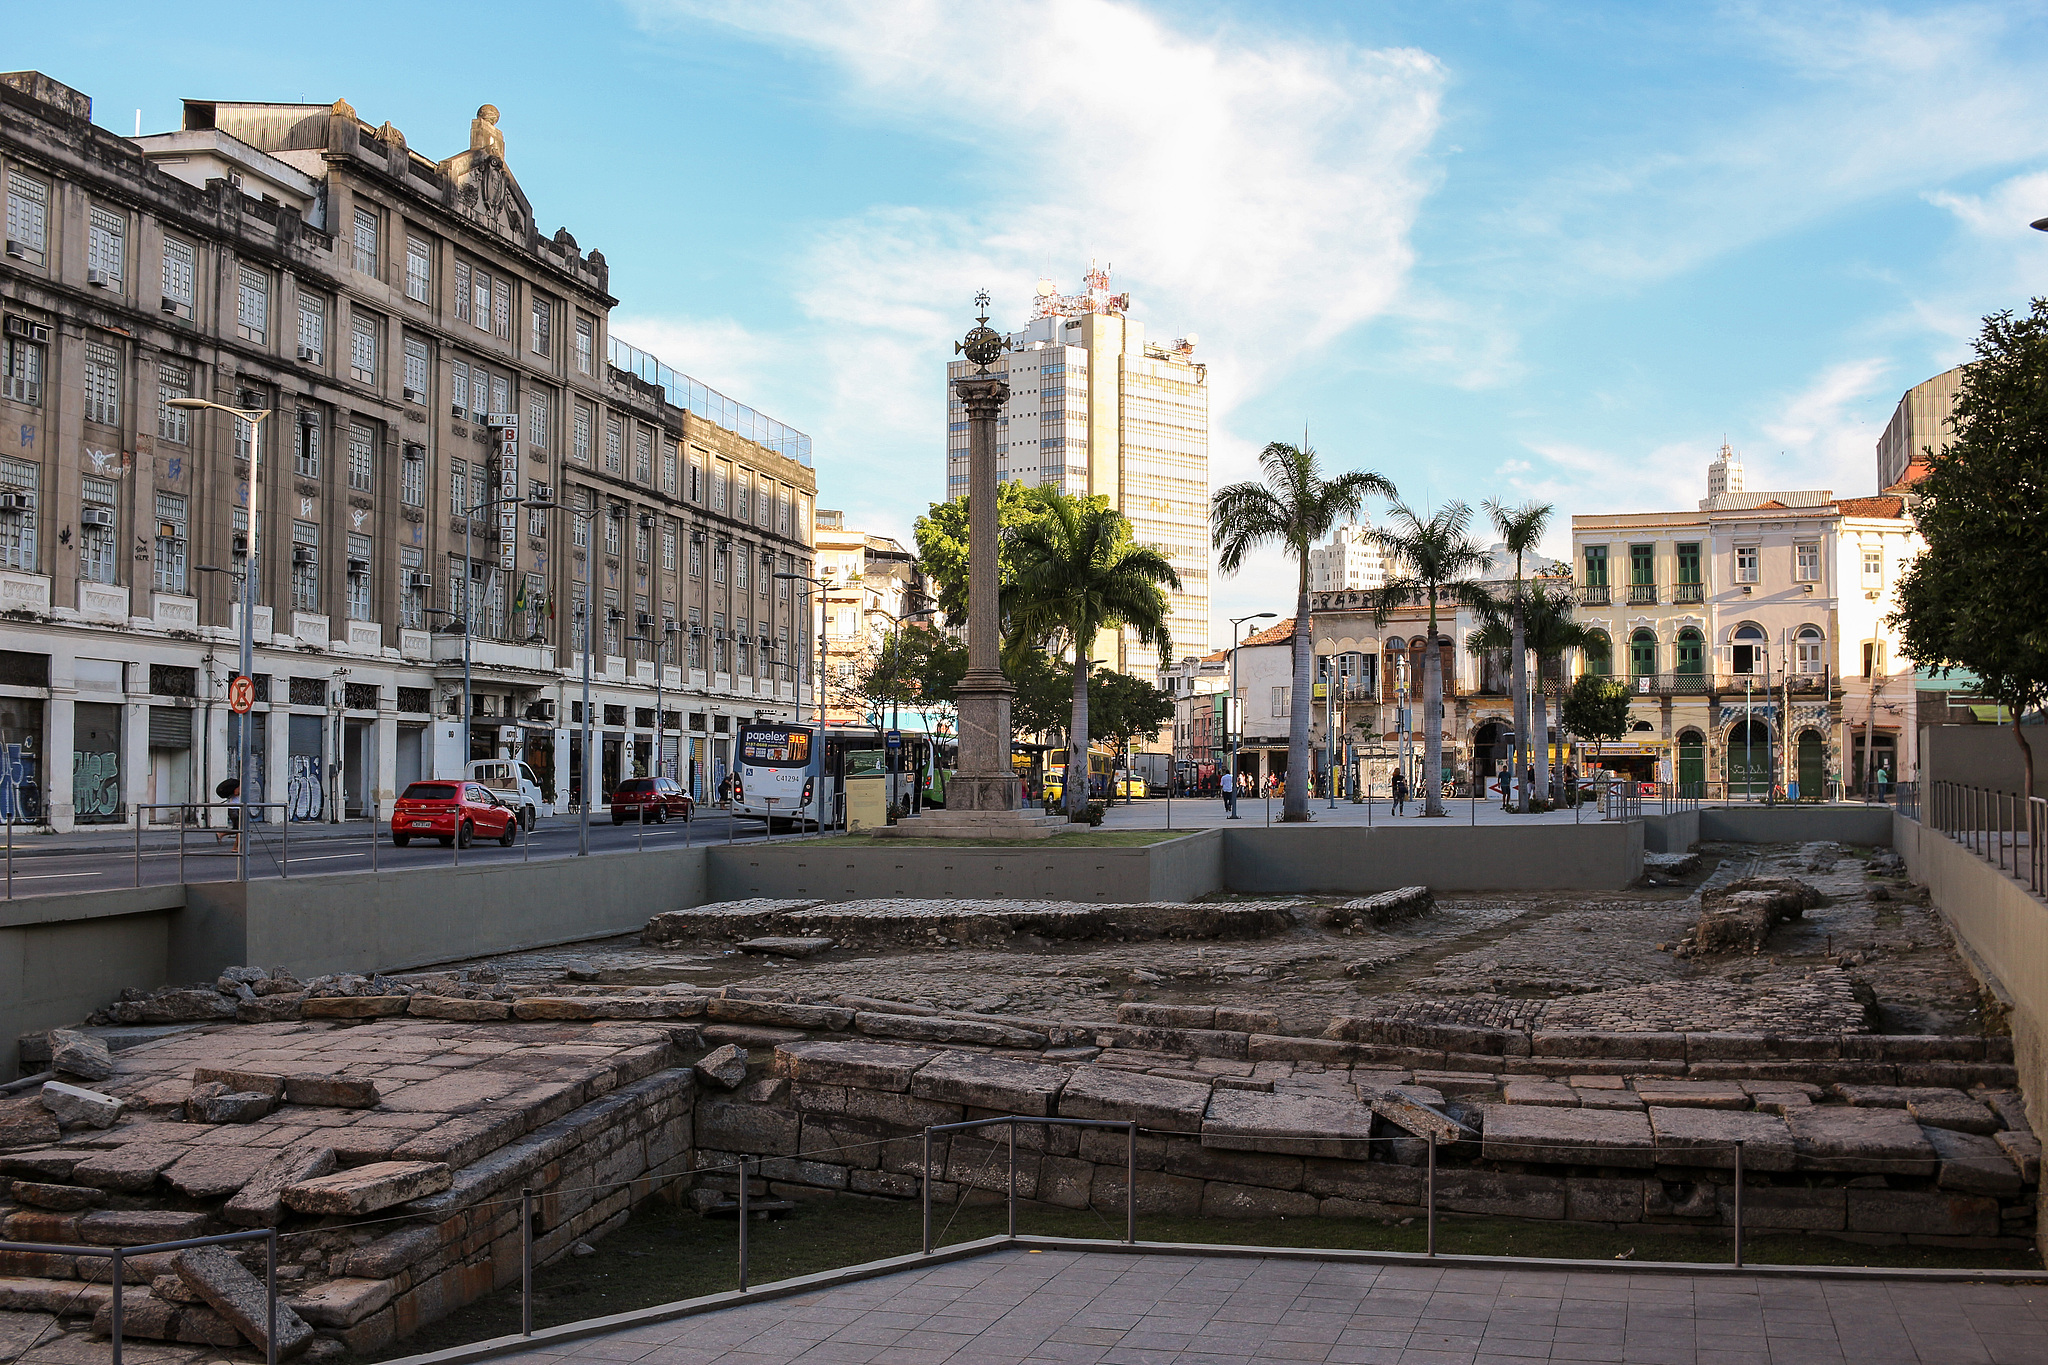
[(1671, 684), (1597, 595), (119, 1254), (1130, 1127), (2006, 829), (1688, 592), (1642, 594)]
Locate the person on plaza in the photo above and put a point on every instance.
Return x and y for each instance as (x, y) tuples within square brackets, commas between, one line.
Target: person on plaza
[(229, 791), (1400, 791), (1229, 781), (1884, 780)]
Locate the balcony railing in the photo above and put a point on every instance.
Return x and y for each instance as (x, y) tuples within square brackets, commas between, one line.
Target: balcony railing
[(1688, 592), (1642, 594), (1671, 684), (1593, 595)]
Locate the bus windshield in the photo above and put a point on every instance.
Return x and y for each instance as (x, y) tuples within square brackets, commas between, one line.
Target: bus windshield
[(775, 747)]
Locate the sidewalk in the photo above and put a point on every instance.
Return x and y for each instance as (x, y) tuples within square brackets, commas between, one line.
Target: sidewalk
[(32, 841), (1206, 812)]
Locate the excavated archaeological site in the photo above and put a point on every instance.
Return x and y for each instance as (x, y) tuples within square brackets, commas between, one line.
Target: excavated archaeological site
[(1590, 1058)]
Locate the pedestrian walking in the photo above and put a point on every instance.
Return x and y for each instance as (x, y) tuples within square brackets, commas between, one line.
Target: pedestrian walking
[(1229, 780), (1400, 791), (229, 790)]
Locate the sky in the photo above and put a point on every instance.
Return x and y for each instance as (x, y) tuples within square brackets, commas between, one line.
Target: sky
[(1505, 250)]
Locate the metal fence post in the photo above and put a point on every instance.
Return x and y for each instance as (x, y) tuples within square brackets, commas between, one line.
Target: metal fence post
[(10, 851), (373, 837), (927, 1181), (526, 1263), (640, 830), (138, 844), (1738, 1203), (1429, 1228), (114, 1307), (1013, 1177), (1131, 1177), (744, 1219), (284, 857), (270, 1297), (182, 821)]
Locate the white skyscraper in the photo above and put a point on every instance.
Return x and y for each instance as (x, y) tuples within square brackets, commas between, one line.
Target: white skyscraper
[(1724, 475), (1096, 409), (1350, 560)]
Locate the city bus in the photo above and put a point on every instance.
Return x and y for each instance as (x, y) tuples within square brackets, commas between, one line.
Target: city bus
[(796, 774)]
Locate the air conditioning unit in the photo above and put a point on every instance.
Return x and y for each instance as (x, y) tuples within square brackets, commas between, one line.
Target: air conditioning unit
[(457, 410), (167, 530), (541, 710), (647, 520), (18, 326), (358, 567), (616, 511), (418, 579), (97, 278), (696, 629), (308, 417), (169, 305), (696, 537), (16, 249), (643, 622), (241, 547), (96, 516), (413, 450), (308, 353), (302, 555), (415, 396), (16, 502)]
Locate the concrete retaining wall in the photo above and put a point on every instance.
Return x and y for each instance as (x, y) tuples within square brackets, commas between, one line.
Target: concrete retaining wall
[(2003, 930), (62, 957), (1348, 860), (1671, 833), (1796, 824), (833, 871)]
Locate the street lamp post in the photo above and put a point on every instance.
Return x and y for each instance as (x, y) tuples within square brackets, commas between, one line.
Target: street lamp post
[(817, 681), (896, 683), (1231, 703), (254, 417)]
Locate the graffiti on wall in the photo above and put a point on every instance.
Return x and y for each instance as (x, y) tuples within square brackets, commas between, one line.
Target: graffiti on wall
[(303, 789), (95, 784)]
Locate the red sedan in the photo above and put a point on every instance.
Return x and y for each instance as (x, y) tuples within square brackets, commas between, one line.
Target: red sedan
[(453, 812), (651, 799)]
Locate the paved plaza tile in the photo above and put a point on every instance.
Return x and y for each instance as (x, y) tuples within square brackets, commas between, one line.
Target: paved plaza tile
[(1068, 1307)]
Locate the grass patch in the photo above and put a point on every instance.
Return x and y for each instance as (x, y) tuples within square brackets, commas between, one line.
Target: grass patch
[(1080, 838), (664, 1254)]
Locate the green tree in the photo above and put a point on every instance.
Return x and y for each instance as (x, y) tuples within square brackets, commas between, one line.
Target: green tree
[(1977, 597), (1045, 692), (1077, 574), (1596, 708), (1434, 557), (941, 535), (1122, 708), (1294, 508), (1551, 633), (917, 668), (1520, 527)]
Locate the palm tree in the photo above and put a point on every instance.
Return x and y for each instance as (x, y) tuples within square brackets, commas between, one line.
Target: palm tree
[(1551, 631), (1520, 527), (1294, 508), (1436, 556), (1078, 573)]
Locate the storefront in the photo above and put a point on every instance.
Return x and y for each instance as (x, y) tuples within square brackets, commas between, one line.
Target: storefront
[(305, 768), (21, 754), (96, 763)]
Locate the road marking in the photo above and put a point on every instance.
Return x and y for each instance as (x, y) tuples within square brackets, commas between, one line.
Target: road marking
[(47, 876)]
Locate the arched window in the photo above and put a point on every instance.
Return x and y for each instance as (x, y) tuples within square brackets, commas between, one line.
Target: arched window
[(1752, 649), (1692, 652), (1642, 652), (1749, 759), (1599, 654), (1692, 763), (1811, 648)]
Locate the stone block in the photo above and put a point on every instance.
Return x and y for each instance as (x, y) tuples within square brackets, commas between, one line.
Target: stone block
[(24, 1122), (1572, 1137), (216, 1104), (1849, 1140), (238, 1296), (1280, 1047), (1065, 1182), (130, 1169), (1590, 1200), (1418, 1114), (260, 1201), (1167, 1016), (393, 1252), (365, 1189), (354, 1006), (872, 1066), (181, 1006), (215, 1172), (1220, 1199), (59, 1198), (1290, 1122), (886, 1183), (927, 1029), (1158, 1192), (1931, 1047), (36, 1225), (1958, 1075), (793, 1170), (1540, 1092), (1692, 1094), (1263, 1169), (74, 1106), (985, 1082), (1972, 1163), (1921, 1212), (1953, 1110), (905, 1111), (80, 1054), (1500, 1193), (1238, 1020), (732, 1125), (723, 1067), (270, 1009), (1784, 1208), (1094, 1092), (243, 1082), (52, 1163), (1707, 1137), (2025, 1151), (458, 1008), (602, 1007), (343, 1302), (1622, 1046), (139, 1227), (847, 1142), (777, 1015), (772, 946)]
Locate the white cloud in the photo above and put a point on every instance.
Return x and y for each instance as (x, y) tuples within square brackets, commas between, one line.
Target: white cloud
[(1247, 186), (1825, 433)]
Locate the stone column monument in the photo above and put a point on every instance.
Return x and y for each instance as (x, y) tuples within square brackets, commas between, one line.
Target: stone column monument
[(984, 799)]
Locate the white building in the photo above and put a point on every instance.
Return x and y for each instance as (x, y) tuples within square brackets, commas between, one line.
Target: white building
[(1096, 409), (1350, 560)]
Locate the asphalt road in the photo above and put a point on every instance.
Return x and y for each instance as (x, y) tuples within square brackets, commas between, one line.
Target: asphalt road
[(40, 871)]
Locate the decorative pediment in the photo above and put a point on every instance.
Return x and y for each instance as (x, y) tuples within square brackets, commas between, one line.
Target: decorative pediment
[(485, 189)]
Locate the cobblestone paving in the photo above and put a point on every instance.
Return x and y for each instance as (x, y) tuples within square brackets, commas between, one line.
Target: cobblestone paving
[(1020, 1307), (1588, 960)]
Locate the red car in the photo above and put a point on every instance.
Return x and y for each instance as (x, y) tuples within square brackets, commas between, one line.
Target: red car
[(652, 799), (452, 812)]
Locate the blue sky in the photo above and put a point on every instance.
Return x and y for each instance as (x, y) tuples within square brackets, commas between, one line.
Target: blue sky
[(1511, 249)]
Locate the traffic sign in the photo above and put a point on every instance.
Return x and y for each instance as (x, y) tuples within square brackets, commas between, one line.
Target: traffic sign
[(241, 694), (895, 740)]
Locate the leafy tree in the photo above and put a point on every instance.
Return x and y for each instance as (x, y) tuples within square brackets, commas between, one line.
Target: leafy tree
[(1551, 633), (1078, 573), (941, 535), (1977, 597), (919, 668), (1520, 527), (1436, 557), (1596, 708), (1045, 692), (1122, 707), (1294, 508)]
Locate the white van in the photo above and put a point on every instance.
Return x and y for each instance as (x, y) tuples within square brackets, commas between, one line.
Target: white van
[(513, 783)]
